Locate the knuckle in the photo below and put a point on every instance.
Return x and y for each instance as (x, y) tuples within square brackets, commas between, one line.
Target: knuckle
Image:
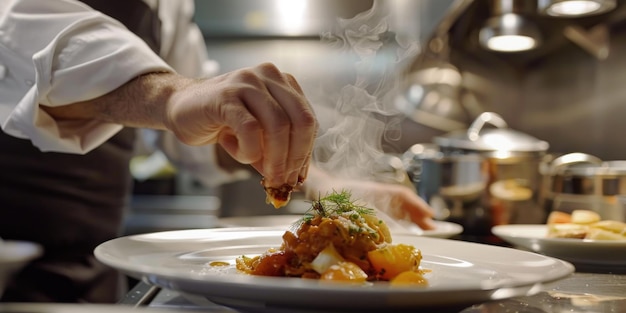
[(250, 77), (270, 68), (244, 77), (309, 121)]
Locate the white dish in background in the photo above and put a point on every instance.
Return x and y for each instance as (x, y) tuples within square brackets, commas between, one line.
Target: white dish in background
[(278, 221), (578, 251), (461, 273), (442, 229)]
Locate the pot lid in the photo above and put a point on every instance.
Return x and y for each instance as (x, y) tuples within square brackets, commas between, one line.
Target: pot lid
[(500, 138), (578, 164)]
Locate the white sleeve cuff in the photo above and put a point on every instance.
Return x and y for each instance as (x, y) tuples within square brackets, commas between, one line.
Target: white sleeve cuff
[(90, 57), (29, 121)]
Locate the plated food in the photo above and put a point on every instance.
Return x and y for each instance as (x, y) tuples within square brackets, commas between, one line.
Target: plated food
[(460, 273), (584, 224), (339, 240), (442, 229)]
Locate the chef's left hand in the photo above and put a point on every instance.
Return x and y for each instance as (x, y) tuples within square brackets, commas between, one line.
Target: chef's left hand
[(398, 201)]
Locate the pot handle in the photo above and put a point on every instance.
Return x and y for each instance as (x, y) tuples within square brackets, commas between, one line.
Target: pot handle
[(486, 117), (413, 160), (559, 164)]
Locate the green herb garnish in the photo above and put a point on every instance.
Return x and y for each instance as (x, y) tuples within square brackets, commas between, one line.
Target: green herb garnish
[(334, 203), (338, 203)]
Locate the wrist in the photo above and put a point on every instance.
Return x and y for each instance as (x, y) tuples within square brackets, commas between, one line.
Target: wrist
[(140, 102), (161, 92)]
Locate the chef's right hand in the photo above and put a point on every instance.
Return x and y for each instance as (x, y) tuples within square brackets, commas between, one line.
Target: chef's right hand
[(259, 115)]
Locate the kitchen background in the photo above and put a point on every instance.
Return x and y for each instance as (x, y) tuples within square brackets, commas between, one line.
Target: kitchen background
[(428, 72)]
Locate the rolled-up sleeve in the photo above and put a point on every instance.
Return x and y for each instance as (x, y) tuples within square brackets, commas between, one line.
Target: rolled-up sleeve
[(58, 52)]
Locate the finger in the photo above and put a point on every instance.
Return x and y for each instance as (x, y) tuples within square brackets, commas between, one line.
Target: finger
[(281, 112), (304, 170), (293, 83), (303, 126), (418, 210), (305, 167), (275, 137)]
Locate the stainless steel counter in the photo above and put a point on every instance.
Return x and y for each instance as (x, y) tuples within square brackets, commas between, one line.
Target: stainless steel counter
[(579, 293)]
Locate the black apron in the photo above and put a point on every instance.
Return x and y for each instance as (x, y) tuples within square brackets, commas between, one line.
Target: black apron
[(70, 203)]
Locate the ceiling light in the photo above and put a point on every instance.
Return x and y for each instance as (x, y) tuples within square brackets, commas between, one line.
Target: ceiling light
[(575, 8), (509, 33), (291, 15)]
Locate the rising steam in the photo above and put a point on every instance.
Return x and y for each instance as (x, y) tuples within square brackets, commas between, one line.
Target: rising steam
[(362, 110)]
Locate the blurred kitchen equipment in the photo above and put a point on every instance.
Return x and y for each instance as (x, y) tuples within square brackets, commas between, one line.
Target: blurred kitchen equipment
[(583, 181), (14, 255), (390, 169), (452, 184), (508, 29), (573, 8), (432, 96), (152, 213), (482, 176)]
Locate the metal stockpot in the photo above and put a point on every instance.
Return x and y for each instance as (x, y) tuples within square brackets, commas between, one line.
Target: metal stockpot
[(582, 181), (453, 185), (493, 174)]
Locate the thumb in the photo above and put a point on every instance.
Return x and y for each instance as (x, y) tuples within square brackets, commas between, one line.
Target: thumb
[(246, 149)]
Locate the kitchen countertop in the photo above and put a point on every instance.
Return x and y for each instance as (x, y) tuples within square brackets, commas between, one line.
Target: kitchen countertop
[(580, 292), (588, 290)]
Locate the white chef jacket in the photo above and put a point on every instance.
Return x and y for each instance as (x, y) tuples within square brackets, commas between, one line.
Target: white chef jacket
[(57, 52)]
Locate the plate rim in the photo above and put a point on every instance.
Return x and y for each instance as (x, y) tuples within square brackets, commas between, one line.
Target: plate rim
[(173, 279), (594, 255), (502, 230)]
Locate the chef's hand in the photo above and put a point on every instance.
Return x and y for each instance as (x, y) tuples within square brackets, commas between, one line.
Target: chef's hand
[(398, 201), (259, 115)]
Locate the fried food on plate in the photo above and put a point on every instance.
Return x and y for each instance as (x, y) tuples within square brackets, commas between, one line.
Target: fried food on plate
[(584, 224), (279, 196)]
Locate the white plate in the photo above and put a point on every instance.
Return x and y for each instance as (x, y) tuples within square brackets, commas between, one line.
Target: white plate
[(442, 229), (577, 251), (461, 272)]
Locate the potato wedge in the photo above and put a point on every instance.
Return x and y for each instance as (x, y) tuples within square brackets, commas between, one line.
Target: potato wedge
[(585, 217)]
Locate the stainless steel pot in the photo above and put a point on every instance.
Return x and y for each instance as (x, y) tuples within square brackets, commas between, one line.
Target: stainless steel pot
[(583, 181), (493, 173), (452, 184)]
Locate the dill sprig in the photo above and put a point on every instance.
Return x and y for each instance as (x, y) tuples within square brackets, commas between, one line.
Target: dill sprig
[(334, 203), (338, 203)]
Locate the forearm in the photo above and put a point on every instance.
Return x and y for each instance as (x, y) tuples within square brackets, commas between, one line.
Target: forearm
[(258, 115), (141, 102)]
